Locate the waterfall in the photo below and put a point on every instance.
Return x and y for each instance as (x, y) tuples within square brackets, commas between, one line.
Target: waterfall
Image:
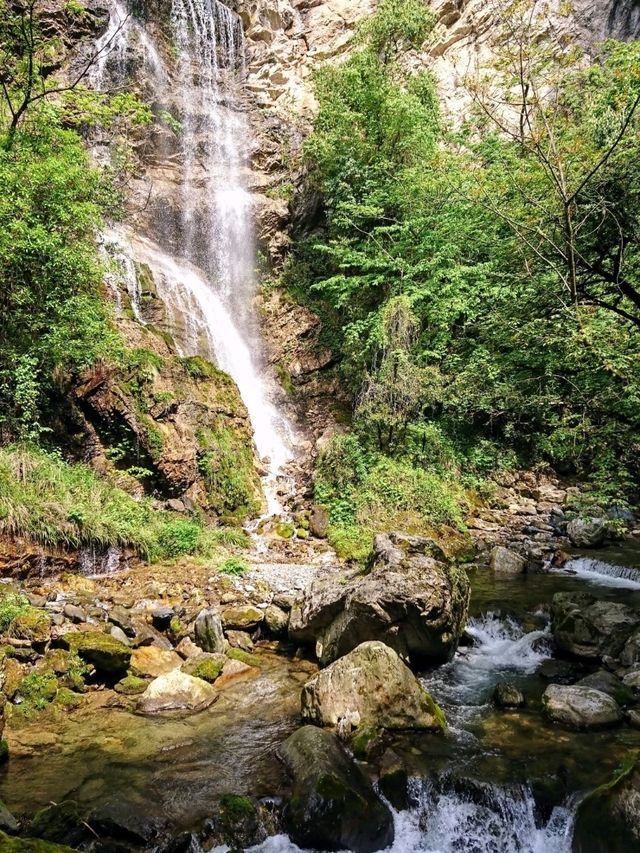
[(199, 244), (605, 574)]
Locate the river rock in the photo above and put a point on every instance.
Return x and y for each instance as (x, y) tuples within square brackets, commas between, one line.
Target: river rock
[(608, 683), (631, 679), (205, 666), (369, 687), (242, 618), (152, 661), (34, 626), (608, 819), (506, 562), (630, 654), (176, 691), (208, 632), (240, 640), (108, 656), (333, 805), (506, 695), (276, 620), (319, 522), (580, 707), (407, 599), (587, 532), (586, 627)]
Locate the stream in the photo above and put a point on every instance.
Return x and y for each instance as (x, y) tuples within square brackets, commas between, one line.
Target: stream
[(499, 782)]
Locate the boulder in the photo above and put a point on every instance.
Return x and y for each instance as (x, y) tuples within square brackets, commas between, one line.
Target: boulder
[(276, 620), (588, 628), (242, 618), (609, 818), (580, 707), (505, 562), (319, 522), (507, 695), (205, 666), (240, 640), (176, 691), (408, 599), (631, 679), (104, 652), (369, 687), (208, 632), (608, 683), (152, 661), (161, 617), (186, 648), (587, 532), (630, 654), (333, 805)]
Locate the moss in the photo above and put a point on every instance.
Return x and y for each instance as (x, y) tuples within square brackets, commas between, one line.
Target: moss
[(302, 533), (66, 698), (284, 378), (362, 740), (131, 685), (31, 624), (4, 751), (199, 368), (285, 530), (436, 711), (11, 605), (35, 692), (244, 657), (68, 666), (236, 808), (107, 654), (30, 845), (227, 467), (57, 821)]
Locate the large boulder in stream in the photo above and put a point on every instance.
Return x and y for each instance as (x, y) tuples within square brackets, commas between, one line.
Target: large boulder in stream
[(176, 691), (608, 819), (580, 707), (369, 687), (587, 532), (108, 655), (586, 627), (408, 598), (333, 805)]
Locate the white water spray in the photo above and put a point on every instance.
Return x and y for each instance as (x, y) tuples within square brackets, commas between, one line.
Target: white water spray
[(604, 574)]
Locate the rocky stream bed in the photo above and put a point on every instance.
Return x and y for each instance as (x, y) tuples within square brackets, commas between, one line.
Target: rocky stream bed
[(419, 706)]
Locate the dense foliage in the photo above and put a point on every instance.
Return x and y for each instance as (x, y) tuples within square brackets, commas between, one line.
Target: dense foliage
[(480, 284)]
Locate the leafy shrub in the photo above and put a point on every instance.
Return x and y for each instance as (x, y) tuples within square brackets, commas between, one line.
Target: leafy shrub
[(233, 566)]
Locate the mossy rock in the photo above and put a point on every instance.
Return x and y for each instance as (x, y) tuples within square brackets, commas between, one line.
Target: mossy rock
[(10, 844), (59, 822), (32, 625), (238, 821), (302, 533), (67, 699), (244, 657), (285, 530), (109, 656), (36, 690), (205, 666), (242, 618), (68, 667), (609, 817), (131, 685), (13, 675)]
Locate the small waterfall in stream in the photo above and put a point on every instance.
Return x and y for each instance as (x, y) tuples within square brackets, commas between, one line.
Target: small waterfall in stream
[(605, 574), (200, 248)]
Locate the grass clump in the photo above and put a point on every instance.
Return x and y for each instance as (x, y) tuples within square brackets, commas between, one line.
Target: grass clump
[(233, 566), (52, 502), (11, 605)]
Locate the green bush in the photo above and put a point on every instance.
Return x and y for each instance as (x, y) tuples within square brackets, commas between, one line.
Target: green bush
[(233, 566)]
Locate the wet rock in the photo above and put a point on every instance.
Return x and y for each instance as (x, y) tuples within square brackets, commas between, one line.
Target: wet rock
[(369, 687), (507, 695), (276, 620), (580, 707), (608, 683), (608, 819), (240, 640), (205, 666), (242, 618), (410, 601), (587, 532), (60, 822), (506, 562), (393, 780), (176, 691), (106, 654), (10, 844), (632, 680), (558, 671), (208, 632), (630, 654), (586, 627), (152, 661), (319, 522), (238, 821), (119, 635), (333, 805)]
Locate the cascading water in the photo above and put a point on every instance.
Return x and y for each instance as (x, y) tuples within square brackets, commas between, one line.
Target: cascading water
[(604, 574), (205, 271)]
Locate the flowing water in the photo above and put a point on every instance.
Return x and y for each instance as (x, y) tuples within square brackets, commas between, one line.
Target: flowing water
[(200, 247)]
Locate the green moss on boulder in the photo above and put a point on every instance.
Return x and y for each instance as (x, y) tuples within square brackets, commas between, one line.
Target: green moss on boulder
[(109, 656)]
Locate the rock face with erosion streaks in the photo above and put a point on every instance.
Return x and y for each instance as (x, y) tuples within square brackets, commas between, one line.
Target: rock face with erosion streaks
[(408, 599), (333, 805), (370, 687)]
